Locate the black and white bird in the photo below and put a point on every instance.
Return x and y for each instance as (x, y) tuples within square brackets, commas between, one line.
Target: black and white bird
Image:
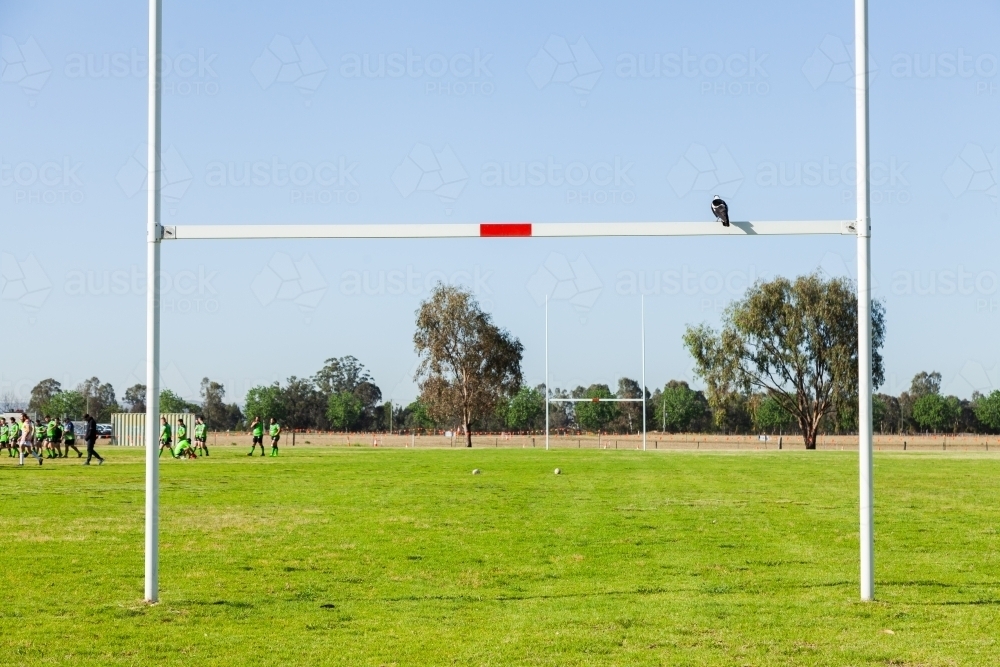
[(720, 210)]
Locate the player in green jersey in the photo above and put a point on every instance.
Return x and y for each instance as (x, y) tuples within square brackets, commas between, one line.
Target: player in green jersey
[(14, 434), (5, 437), (183, 448), (69, 438), (257, 431), (49, 426), (165, 439), (200, 436), (57, 434), (274, 430)]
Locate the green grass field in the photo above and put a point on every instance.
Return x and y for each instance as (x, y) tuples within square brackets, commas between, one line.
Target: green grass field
[(397, 557)]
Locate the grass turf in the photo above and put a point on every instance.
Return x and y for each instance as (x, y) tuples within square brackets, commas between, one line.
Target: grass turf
[(372, 557)]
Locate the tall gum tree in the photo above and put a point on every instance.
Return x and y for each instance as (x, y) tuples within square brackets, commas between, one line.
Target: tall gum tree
[(468, 365), (795, 341)]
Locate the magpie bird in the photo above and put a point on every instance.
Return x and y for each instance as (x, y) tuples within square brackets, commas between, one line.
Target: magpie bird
[(720, 210)]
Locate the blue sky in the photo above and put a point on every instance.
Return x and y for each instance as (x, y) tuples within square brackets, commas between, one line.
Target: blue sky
[(386, 112)]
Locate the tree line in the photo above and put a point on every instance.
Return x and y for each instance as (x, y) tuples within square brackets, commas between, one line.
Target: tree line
[(785, 360), (350, 397), (677, 408), (341, 396), (99, 400)]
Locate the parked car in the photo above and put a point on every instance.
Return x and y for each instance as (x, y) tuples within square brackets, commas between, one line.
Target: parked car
[(104, 430)]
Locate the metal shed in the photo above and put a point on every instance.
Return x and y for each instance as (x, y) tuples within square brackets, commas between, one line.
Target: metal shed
[(128, 428)]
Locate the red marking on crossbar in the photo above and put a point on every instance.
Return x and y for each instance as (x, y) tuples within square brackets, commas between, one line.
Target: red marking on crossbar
[(505, 229)]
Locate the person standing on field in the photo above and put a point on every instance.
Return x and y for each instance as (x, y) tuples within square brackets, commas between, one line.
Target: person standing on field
[(90, 437), (165, 440), (28, 439), (200, 436), (275, 433), (41, 433), (69, 438), (8, 436), (257, 431), (56, 438), (44, 436), (4, 434), (13, 435)]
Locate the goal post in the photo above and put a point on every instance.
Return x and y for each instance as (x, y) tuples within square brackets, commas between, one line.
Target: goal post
[(504, 230), (156, 233), (642, 381), (604, 400)]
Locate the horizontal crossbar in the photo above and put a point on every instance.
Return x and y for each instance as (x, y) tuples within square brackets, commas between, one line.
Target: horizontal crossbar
[(506, 230)]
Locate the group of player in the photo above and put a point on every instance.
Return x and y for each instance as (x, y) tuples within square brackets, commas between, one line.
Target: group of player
[(55, 437), (183, 448), (52, 436), (178, 444), (257, 432)]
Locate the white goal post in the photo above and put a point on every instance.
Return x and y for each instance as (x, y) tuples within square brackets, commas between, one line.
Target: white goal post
[(642, 325), (156, 233)]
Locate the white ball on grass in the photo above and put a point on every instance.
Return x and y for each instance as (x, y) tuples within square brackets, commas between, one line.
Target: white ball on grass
[(558, 471), (475, 471)]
